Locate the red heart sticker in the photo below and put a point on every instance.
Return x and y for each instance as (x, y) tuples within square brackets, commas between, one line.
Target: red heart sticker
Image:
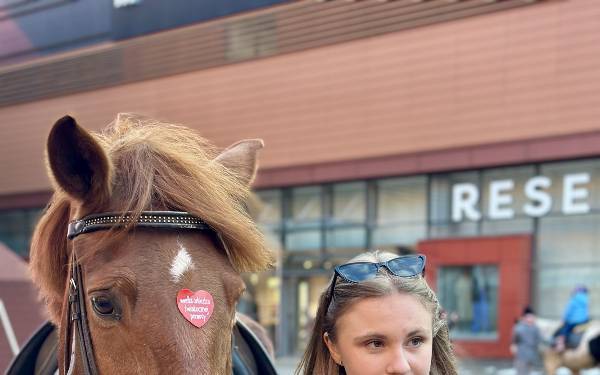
[(196, 307)]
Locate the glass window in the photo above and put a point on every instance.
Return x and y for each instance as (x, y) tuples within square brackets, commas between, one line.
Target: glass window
[(16, 228), (308, 292), (346, 225), (349, 203), (261, 300), (401, 200), (519, 223), (251, 37), (439, 201), (557, 172), (568, 240), (500, 227), (567, 255), (303, 240), (469, 294), (306, 211), (268, 212), (440, 205), (347, 238), (567, 245), (555, 284), (519, 177), (401, 217), (303, 227)]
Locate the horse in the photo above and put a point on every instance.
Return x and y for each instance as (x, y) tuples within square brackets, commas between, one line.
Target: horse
[(575, 359), (139, 253)]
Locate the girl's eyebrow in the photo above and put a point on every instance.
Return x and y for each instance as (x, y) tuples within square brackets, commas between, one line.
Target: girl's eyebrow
[(418, 331), (378, 336), (369, 336)]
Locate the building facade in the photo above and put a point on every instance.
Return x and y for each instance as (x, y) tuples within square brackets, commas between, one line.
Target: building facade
[(497, 239), (465, 130)]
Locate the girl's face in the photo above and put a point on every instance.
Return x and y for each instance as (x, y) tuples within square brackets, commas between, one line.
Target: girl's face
[(384, 335)]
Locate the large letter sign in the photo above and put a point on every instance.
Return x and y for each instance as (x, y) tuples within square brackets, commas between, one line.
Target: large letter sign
[(498, 200), (571, 193), (533, 191), (464, 200), (500, 204)]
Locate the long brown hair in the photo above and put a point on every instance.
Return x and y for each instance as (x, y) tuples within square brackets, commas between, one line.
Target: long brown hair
[(317, 359)]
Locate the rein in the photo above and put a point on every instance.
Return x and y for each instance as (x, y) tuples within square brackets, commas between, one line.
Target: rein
[(76, 317)]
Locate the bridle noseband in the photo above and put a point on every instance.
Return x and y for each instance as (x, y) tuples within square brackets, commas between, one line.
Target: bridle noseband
[(76, 310)]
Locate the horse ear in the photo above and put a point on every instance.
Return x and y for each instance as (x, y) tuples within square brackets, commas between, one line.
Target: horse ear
[(77, 162), (241, 158)]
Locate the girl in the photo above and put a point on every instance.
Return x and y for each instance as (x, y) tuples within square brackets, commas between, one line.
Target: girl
[(379, 316)]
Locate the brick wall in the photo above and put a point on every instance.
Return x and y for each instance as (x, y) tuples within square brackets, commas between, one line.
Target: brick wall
[(518, 74)]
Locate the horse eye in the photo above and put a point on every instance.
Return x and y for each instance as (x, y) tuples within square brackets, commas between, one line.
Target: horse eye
[(103, 305)]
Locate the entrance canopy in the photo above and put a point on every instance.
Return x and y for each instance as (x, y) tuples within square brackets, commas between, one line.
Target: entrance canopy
[(12, 267)]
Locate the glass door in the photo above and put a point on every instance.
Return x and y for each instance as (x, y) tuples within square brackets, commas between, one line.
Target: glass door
[(309, 290), (469, 295)]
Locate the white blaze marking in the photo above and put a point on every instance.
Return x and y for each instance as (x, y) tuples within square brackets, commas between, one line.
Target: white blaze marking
[(181, 263)]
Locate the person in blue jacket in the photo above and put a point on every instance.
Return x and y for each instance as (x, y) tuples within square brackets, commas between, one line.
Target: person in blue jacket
[(576, 312)]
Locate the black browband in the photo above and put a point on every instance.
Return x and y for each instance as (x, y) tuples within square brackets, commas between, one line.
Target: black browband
[(149, 219), (76, 311)]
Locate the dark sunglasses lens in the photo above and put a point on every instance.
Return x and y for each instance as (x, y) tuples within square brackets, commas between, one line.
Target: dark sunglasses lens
[(407, 266), (358, 272)]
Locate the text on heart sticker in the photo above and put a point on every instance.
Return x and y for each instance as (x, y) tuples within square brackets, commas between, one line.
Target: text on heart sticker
[(196, 307)]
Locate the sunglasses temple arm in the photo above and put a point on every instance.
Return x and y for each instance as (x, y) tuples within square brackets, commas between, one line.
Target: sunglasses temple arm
[(330, 293)]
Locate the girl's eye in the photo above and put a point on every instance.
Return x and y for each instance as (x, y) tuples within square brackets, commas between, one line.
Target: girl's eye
[(375, 344), (416, 341)]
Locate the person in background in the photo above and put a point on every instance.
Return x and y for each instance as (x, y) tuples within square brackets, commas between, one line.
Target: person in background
[(576, 312), (463, 289), (526, 339), (481, 305), (379, 316)]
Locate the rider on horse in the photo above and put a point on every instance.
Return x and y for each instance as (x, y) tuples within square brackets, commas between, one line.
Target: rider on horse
[(577, 312)]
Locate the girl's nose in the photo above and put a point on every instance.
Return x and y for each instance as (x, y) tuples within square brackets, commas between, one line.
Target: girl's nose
[(398, 363)]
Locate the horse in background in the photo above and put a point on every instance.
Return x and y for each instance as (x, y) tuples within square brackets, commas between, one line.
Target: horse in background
[(132, 276), (576, 359)]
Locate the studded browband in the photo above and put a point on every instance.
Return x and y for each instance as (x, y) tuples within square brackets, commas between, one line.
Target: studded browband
[(149, 219)]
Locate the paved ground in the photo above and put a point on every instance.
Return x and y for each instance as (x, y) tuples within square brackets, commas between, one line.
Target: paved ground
[(287, 365)]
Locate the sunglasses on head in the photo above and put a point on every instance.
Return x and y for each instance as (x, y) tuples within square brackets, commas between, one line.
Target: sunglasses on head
[(402, 266)]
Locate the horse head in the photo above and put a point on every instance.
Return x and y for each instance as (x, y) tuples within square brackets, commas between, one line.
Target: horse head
[(132, 275)]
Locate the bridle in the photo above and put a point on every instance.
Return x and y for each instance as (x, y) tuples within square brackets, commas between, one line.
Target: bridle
[(76, 314)]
